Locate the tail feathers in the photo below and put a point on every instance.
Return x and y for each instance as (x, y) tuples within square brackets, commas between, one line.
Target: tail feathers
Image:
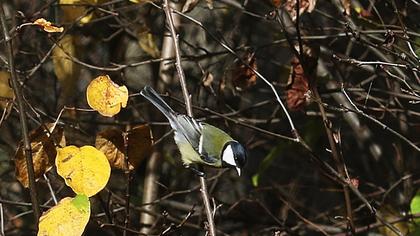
[(150, 94)]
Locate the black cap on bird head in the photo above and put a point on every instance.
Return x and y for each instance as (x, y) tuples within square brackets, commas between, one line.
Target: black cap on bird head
[(234, 155)]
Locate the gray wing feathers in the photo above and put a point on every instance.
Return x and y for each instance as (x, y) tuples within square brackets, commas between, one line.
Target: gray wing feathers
[(182, 124), (190, 129)]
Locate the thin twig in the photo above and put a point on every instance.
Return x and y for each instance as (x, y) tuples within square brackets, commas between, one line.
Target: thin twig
[(54, 198), (203, 189), (22, 116), (127, 173), (338, 159), (1, 220)]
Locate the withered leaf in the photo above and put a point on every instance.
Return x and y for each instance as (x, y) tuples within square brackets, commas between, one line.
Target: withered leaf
[(276, 3), (43, 152), (305, 6), (48, 26), (296, 98), (298, 93), (242, 76), (347, 6), (111, 143)]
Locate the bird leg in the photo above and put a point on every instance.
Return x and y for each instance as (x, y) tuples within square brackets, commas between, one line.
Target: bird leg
[(194, 170)]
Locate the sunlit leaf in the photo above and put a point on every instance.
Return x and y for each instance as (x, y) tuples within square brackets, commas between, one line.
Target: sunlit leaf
[(68, 218), (347, 6), (6, 92), (415, 206), (86, 170), (48, 26), (147, 42), (111, 143), (74, 10), (105, 96), (43, 152)]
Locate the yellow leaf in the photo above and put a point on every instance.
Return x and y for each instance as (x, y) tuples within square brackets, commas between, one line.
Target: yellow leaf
[(148, 44), (47, 26), (105, 96), (76, 12), (6, 92), (86, 170), (65, 69), (68, 218), (43, 152), (111, 143)]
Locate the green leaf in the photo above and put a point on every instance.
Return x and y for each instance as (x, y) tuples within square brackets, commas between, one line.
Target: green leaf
[(275, 152), (255, 179), (81, 202), (416, 231), (415, 206)]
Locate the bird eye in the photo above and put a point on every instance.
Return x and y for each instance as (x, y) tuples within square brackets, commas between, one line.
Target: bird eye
[(239, 154)]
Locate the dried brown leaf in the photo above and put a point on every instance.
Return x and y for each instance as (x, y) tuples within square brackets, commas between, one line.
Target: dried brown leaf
[(305, 6), (48, 26), (111, 143), (347, 6), (242, 76), (298, 93), (43, 152)]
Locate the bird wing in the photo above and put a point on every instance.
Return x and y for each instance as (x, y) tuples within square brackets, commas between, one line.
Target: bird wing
[(191, 130)]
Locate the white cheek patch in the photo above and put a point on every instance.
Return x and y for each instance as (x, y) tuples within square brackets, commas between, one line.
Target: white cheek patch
[(228, 156)]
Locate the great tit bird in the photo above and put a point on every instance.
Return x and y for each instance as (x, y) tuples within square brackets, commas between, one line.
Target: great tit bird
[(198, 142)]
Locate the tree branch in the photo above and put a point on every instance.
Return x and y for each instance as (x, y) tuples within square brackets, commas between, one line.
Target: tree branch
[(22, 115), (182, 80)]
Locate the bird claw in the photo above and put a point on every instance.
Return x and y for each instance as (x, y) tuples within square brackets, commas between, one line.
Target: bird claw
[(194, 170)]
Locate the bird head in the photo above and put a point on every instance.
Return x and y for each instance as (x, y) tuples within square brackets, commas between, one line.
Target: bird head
[(234, 155)]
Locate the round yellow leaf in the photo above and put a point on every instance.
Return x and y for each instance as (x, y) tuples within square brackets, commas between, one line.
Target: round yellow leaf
[(105, 96), (68, 218), (6, 92), (86, 170)]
